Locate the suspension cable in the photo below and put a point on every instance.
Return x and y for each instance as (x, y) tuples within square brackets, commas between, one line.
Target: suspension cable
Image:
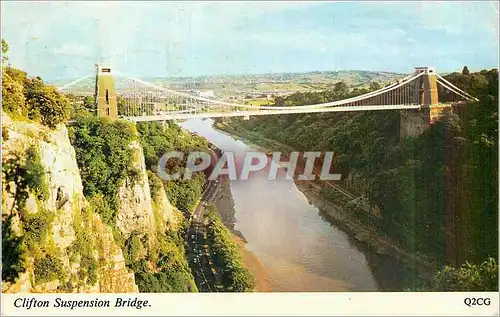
[(408, 79), (446, 81), (456, 92)]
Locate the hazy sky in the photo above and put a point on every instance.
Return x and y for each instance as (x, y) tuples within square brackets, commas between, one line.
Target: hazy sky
[(64, 39)]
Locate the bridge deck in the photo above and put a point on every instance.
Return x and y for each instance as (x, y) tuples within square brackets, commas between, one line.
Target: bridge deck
[(185, 116)]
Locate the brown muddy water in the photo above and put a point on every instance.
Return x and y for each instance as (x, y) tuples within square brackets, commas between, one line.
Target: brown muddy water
[(299, 249)]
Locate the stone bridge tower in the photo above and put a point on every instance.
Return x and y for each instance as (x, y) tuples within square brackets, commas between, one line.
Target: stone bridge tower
[(105, 93), (427, 87), (414, 122)]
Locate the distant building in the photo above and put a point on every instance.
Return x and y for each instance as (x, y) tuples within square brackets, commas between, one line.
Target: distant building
[(206, 94)]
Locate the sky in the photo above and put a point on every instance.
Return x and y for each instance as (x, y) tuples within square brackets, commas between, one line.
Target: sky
[(64, 39)]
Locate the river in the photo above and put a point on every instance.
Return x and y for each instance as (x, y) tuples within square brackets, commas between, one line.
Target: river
[(299, 249)]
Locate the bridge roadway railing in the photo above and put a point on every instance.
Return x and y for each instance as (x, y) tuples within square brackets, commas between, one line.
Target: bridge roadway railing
[(367, 99), (184, 116)]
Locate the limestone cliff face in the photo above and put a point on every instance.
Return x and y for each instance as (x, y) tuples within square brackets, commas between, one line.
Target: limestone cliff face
[(139, 211), (66, 247), (166, 215), (135, 212)]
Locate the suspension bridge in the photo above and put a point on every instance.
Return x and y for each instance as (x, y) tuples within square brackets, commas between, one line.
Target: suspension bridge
[(144, 101)]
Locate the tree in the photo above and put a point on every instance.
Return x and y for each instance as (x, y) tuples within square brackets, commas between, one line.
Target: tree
[(45, 104), (5, 49), (374, 86), (17, 74), (279, 101), (341, 88), (465, 71), (467, 278), (13, 101), (89, 102)]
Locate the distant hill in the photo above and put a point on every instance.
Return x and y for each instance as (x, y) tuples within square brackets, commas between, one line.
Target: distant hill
[(317, 80)]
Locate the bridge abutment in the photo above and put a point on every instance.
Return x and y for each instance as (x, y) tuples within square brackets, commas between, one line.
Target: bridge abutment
[(413, 122)]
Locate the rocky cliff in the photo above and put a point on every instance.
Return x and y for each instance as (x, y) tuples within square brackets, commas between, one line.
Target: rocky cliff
[(143, 212), (53, 241), (135, 212)]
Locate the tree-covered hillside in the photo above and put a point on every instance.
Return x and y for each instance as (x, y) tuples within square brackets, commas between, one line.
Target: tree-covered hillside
[(437, 192)]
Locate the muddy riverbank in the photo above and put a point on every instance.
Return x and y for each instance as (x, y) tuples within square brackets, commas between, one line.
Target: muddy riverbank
[(225, 206)]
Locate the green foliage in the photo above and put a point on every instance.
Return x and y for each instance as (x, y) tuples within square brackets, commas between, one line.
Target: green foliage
[(482, 163), (47, 269), (82, 107), (5, 49), (435, 191), (104, 157), (24, 97), (155, 184), (134, 174), (164, 282), (35, 174), (36, 228), (17, 75), (171, 273), (157, 140), (102, 207), (13, 260), (33, 242), (332, 194), (184, 193), (13, 100), (28, 175), (134, 250), (86, 243), (45, 104), (468, 278), (89, 102), (5, 133), (235, 277), (88, 268), (78, 113)]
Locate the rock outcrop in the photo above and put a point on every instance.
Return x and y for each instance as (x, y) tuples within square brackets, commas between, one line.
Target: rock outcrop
[(54, 217), (166, 214), (135, 212)]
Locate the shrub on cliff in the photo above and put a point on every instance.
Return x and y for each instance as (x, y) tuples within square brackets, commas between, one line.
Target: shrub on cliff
[(26, 172), (104, 158), (47, 269), (13, 255), (157, 140)]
